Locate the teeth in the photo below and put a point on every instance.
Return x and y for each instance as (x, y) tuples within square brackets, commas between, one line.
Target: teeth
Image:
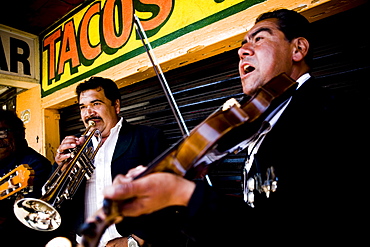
[(248, 68)]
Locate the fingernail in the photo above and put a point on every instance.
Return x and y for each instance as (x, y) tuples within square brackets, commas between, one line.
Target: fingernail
[(109, 191)]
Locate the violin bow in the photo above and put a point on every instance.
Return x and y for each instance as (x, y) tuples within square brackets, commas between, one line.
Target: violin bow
[(93, 231), (157, 68)]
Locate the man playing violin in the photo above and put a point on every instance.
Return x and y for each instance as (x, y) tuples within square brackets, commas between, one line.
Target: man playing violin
[(295, 182)]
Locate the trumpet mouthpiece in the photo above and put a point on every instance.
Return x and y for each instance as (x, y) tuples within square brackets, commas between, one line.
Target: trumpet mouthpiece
[(91, 123)]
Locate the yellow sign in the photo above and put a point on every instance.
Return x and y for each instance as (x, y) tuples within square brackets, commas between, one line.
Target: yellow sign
[(102, 35)]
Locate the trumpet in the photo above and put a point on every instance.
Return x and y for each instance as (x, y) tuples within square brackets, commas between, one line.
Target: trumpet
[(41, 214)]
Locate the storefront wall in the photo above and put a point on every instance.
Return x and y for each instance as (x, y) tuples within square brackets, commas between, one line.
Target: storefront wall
[(218, 37)]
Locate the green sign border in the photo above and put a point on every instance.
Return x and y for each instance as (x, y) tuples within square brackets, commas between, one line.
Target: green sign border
[(163, 40)]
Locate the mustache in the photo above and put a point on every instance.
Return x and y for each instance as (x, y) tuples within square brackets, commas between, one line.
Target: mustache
[(92, 118)]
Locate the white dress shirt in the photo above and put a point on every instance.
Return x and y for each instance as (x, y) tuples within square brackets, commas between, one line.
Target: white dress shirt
[(101, 178)]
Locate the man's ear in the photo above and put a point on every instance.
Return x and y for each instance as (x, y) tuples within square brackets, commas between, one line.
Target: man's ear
[(300, 49), (117, 106)]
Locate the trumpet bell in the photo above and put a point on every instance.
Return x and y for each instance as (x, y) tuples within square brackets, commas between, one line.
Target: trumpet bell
[(41, 214), (37, 214)]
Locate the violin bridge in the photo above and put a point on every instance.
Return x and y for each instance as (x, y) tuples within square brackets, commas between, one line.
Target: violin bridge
[(230, 103)]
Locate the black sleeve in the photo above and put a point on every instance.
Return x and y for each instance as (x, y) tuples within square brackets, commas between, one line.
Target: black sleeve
[(206, 221)]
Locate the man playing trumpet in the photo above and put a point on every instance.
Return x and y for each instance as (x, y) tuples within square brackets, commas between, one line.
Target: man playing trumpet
[(124, 146)]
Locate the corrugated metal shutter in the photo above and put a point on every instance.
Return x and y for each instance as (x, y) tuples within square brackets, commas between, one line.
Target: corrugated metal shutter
[(200, 88)]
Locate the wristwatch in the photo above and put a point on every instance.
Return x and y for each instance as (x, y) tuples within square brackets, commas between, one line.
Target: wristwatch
[(131, 242)]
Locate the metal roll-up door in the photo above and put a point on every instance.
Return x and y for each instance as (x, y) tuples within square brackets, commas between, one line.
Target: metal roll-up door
[(199, 89), (341, 58)]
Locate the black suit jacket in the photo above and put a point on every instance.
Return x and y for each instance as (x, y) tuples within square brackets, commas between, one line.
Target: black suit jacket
[(136, 145), (314, 151)]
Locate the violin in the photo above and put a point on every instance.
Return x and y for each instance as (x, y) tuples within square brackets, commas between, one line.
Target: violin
[(223, 132)]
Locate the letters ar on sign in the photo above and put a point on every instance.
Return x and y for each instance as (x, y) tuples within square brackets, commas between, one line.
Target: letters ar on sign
[(17, 53)]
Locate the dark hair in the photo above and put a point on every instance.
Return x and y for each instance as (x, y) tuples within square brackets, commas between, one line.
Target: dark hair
[(110, 88), (15, 124), (293, 25)]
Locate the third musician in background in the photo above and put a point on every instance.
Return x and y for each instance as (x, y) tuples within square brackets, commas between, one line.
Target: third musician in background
[(15, 153)]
